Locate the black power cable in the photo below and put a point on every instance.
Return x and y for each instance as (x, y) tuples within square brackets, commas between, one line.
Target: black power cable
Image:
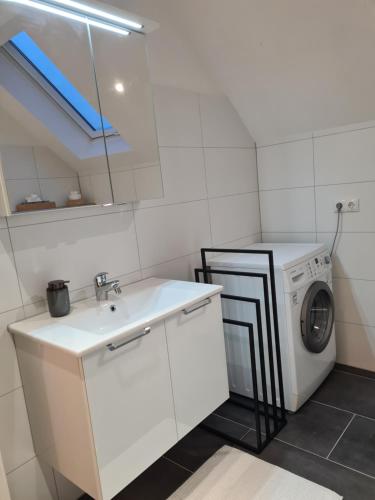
[(339, 207)]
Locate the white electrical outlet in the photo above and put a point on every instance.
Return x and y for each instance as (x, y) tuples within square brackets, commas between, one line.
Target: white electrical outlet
[(350, 205)]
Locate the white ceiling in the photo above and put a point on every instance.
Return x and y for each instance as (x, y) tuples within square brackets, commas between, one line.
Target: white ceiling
[(288, 66), (173, 60)]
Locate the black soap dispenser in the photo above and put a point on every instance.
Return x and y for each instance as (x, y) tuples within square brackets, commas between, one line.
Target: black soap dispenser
[(58, 298)]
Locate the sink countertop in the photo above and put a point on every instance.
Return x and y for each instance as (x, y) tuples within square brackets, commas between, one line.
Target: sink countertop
[(91, 324)]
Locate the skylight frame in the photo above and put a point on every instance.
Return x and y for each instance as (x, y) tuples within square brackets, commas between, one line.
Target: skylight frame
[(38, 78)]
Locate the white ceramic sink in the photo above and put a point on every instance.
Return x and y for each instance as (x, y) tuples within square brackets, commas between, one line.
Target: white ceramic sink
[(92, 324)]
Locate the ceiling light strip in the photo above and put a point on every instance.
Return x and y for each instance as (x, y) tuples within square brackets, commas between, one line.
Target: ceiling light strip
[(101, 14), (72, 15)]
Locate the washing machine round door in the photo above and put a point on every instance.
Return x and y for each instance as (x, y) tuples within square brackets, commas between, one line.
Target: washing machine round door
[(317, 317)]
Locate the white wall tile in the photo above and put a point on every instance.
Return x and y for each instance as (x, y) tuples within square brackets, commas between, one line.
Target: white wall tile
[(243, 242), (32, 481), (286, 165), (49, 165), (18, 162), (221, 125), (355, 301), (148, 183), (177, 117), (165, 233), (183, 267), (343, 161), (123, 185), (230, 171), (354, 254), (356, 345), (74, 250), (183, 176), (10, 297), (348, 157), (15, 437), (288, 210), (96, 188), (177, 269), (234, 217), (101, 188), (128, 279), (328, 196), (289, 237), (9, 373)]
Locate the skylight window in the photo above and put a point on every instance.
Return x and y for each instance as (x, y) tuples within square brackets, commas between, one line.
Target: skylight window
[(26, 46)]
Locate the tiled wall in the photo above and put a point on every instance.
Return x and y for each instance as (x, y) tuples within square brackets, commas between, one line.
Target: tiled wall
[(211, 198), (300, 182), (36, 170)]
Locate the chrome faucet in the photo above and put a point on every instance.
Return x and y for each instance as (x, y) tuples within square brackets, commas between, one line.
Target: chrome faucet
[(103, 287)]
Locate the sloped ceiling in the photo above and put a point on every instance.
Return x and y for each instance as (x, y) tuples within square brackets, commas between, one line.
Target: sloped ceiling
[(172, 58), (288, 66)]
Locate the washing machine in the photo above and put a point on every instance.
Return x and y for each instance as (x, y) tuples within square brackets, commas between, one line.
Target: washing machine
[(305, 307)]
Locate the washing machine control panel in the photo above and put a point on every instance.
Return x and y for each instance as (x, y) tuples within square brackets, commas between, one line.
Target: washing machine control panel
[(308, 271), (317, 265)]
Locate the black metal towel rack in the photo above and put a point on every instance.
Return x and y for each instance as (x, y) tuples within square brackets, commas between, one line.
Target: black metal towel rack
[(261, 409)]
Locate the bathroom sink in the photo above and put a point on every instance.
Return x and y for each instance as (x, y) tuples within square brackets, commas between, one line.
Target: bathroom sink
[(110, 388), (92, 324)]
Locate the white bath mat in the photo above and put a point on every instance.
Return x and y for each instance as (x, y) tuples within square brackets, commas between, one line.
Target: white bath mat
[(231, 474)]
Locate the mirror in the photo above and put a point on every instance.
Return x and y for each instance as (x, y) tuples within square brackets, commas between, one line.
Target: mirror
[(51, 139), (62, 144), (125, 95)]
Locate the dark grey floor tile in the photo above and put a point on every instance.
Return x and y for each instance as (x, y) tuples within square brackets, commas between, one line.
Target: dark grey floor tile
[(158, 482), (351, 485), (243, 415), (356, 448), (315, 428), (195, 448), (238, 431), (251, 438), (348, 392), (222, 424), (236, 413)]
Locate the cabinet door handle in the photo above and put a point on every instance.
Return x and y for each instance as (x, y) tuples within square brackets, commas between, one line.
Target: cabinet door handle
[(113, 347), (194, 307)]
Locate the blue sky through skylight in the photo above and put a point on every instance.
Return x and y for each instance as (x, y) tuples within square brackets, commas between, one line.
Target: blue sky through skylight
[(30, 50)]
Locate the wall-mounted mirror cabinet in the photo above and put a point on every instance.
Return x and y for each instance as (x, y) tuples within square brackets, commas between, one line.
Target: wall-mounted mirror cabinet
[(76, 114)]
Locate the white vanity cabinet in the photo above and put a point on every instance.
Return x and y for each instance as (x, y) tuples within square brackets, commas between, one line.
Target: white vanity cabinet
[(103, 409), (129, 394), (198, 362)]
